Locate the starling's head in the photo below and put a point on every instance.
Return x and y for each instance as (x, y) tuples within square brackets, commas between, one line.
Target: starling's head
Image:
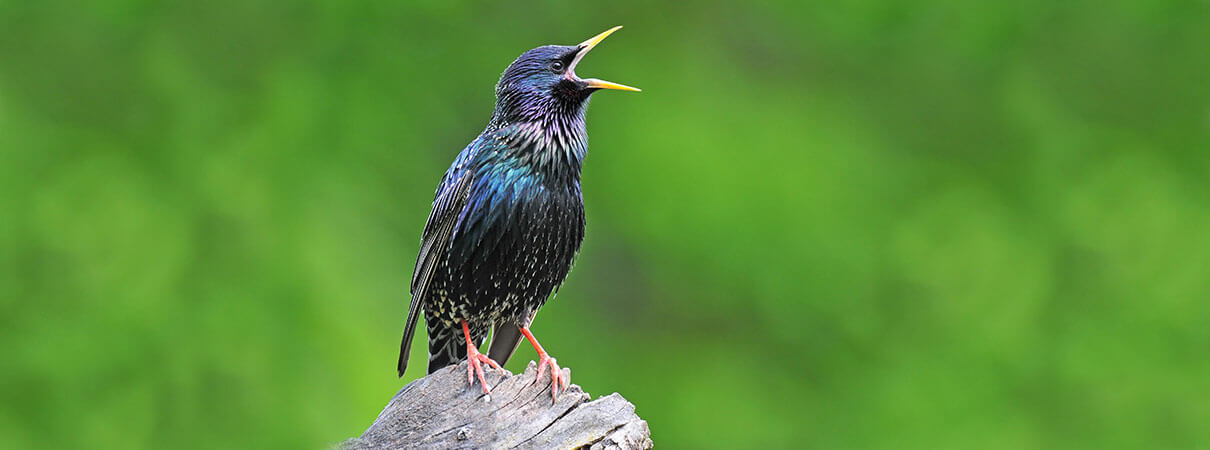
[(543, 82)]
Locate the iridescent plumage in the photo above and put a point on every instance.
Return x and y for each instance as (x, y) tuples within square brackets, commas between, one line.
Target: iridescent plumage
[(508, 218)]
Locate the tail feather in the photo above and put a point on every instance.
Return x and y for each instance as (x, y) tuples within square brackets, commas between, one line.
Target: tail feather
[(507, 336), (505, 339)]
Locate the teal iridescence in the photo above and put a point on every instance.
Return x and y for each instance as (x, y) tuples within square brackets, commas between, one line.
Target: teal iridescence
[(508, 217)]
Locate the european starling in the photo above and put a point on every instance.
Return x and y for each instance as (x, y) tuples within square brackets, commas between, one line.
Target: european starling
[(508, 217)]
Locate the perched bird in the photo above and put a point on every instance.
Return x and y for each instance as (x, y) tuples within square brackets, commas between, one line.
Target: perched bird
[(508, 218)]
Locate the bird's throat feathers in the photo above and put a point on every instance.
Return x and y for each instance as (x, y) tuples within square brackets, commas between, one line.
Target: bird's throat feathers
[(550, 141)]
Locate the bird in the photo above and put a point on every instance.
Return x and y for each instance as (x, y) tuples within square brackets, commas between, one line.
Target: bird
[(507, 220)]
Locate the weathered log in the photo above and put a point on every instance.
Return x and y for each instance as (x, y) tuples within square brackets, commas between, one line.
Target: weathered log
[(442, 411)]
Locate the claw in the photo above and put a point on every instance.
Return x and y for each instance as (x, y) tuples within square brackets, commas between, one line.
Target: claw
[(474, 360), (557, 379), (475, 369)]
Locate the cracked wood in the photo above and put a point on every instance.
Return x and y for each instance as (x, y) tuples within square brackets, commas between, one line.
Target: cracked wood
[(443, 411)]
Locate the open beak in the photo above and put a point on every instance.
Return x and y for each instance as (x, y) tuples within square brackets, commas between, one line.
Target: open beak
[(585, 47)]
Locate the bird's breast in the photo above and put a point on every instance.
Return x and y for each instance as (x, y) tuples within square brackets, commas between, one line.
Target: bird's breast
[(513, 209), (517, 243)]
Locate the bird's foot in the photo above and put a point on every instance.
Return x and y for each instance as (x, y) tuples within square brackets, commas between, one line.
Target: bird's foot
[(474, 361), (474, 367), (557, 379)]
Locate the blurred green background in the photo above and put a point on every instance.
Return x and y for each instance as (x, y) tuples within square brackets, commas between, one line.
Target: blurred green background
[(930, 224)]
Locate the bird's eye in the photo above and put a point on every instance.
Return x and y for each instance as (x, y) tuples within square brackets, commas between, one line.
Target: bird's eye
[(557, 66)]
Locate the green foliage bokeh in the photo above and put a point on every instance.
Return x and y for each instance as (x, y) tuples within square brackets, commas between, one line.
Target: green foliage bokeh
[(930, 224)]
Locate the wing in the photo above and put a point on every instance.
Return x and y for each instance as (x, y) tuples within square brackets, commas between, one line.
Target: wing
[(447, 206)]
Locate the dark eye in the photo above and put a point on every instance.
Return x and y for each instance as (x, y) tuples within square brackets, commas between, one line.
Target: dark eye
[(557, 66)]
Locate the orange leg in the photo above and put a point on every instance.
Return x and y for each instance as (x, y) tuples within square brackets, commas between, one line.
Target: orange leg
[(474, 358), (557, 380)]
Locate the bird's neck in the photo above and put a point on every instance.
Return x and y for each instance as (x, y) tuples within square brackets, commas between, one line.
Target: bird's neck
[(554, 144)]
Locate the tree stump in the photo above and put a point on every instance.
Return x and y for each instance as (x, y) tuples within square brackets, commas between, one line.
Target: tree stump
[(442, 411)]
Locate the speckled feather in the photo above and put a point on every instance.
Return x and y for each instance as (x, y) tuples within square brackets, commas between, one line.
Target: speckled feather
[(508, 217)]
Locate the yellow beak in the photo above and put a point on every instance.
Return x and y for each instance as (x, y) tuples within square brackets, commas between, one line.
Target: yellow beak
[(593, 82)]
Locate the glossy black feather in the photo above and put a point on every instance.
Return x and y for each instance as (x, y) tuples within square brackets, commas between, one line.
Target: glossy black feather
[(508, 216)]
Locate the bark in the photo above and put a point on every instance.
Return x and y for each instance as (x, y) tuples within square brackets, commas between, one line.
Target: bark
[(443, 411)]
